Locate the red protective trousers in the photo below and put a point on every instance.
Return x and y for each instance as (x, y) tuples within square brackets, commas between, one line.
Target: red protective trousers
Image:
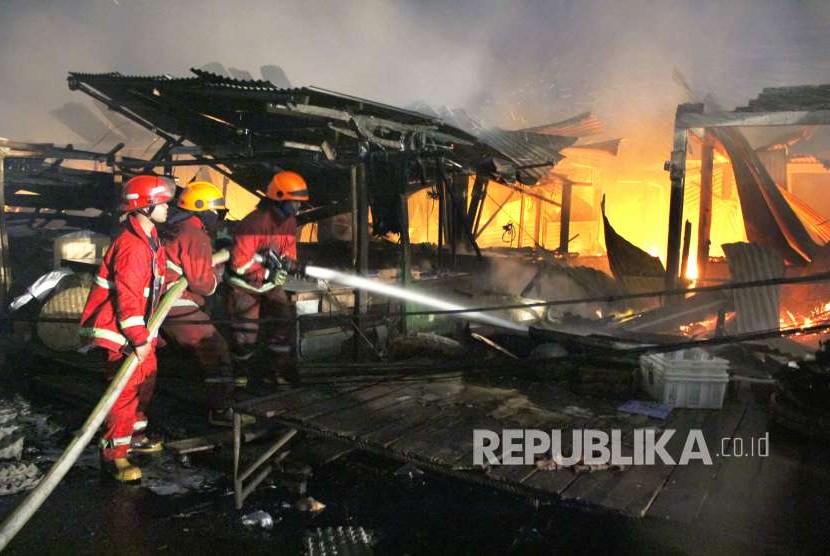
[(246, 307), (139, 389), (209, 348)]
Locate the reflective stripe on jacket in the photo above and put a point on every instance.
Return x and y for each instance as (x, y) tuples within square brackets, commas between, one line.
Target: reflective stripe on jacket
[(263, 229), (125, 291)]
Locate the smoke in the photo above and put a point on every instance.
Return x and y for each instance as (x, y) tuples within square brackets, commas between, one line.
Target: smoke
[(513, 64)]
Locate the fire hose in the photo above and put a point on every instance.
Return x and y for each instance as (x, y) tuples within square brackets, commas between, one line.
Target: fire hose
[(21, 515)]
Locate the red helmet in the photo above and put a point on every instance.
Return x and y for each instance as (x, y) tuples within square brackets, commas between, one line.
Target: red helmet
[(146, 191)]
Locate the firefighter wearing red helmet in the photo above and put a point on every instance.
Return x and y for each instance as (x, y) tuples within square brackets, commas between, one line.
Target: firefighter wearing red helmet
[(125, 292), (187, 242), (265, 235)]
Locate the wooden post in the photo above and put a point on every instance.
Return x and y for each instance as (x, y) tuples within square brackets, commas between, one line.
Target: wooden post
[(354, 198), (406, 263), (565, 218), (476, 201), (5, 256), (363, 228), (451, 214), (360, 243), (442, 216), (521, 231), (687, 241), (537, 225), (479, 207), (677, 172), (704, 225)]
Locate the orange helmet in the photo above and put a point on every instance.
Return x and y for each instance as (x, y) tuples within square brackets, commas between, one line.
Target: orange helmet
[(146, 191), (287, 186), (201, 196)]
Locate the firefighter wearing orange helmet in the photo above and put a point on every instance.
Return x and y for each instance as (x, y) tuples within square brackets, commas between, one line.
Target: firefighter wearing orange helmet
[(187, 242), (124, 294), (264, 244)]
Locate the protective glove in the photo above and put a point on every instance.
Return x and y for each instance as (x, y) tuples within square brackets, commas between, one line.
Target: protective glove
[(279, 277)]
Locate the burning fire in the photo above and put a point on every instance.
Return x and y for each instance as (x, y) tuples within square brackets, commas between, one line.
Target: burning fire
[(820, 314)]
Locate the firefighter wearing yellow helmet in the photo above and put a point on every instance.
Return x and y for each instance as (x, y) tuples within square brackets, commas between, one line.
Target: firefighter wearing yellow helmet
[(189, 254)]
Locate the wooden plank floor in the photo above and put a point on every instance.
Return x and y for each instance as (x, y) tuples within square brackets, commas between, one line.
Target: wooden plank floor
[(433, 422)]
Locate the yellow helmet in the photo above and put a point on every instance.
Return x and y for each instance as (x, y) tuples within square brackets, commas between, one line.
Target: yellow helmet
[(201, 196)]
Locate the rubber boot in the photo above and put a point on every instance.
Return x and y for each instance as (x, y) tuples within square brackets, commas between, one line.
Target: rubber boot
[(122, 470)]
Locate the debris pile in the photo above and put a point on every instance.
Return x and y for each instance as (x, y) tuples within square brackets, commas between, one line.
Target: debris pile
[(24, 435), (802, 397)]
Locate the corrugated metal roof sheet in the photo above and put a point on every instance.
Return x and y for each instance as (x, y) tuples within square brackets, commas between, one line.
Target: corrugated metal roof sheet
[(580, 125), (757, 309), (777, 99)]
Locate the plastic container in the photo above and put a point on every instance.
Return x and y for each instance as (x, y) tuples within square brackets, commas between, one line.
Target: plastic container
[(687, 378)]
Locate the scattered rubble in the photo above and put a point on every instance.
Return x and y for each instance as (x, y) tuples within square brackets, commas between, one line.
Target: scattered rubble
[(408, 471), (24, 437), (580, 468), (422, 344), (309, 504), (259, 518)]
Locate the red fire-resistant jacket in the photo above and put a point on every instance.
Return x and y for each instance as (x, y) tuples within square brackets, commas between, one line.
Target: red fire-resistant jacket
[(125, 291), (262, 229), (189, 254)]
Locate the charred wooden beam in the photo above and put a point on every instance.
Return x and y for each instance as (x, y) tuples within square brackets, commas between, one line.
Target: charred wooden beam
[(442, 220), (406, 255), (704, 226), (5, 260), (75, 84), (743, 119), (677, 173), (565, 218), (687, 240)]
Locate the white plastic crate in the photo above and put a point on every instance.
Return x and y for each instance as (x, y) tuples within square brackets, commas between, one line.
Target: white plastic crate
[(686, 378)]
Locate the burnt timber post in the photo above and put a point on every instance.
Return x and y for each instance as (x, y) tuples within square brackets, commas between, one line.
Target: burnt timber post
[(360, 241), (442, 216), (565, 217), (451, 214), (521, 221), (677, 173), (687, 241), (458, 196), (479, 200), (704, 226), (406, 254), (5, 262), (476, 202)]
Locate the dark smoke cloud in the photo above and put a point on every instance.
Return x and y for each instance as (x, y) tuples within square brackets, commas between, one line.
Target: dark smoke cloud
[(511, 63)]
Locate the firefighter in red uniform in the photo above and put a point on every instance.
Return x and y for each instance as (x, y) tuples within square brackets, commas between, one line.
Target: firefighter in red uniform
[(256, 286), (125, 293), (189, 253)]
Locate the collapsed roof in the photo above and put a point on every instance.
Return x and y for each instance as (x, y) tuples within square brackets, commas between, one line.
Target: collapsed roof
[(252, 125)]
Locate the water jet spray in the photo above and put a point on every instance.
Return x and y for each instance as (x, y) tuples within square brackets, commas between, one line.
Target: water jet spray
[(388, 290)]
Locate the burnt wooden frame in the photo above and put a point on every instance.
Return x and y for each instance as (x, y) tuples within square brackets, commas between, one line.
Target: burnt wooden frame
[(688, 117)]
